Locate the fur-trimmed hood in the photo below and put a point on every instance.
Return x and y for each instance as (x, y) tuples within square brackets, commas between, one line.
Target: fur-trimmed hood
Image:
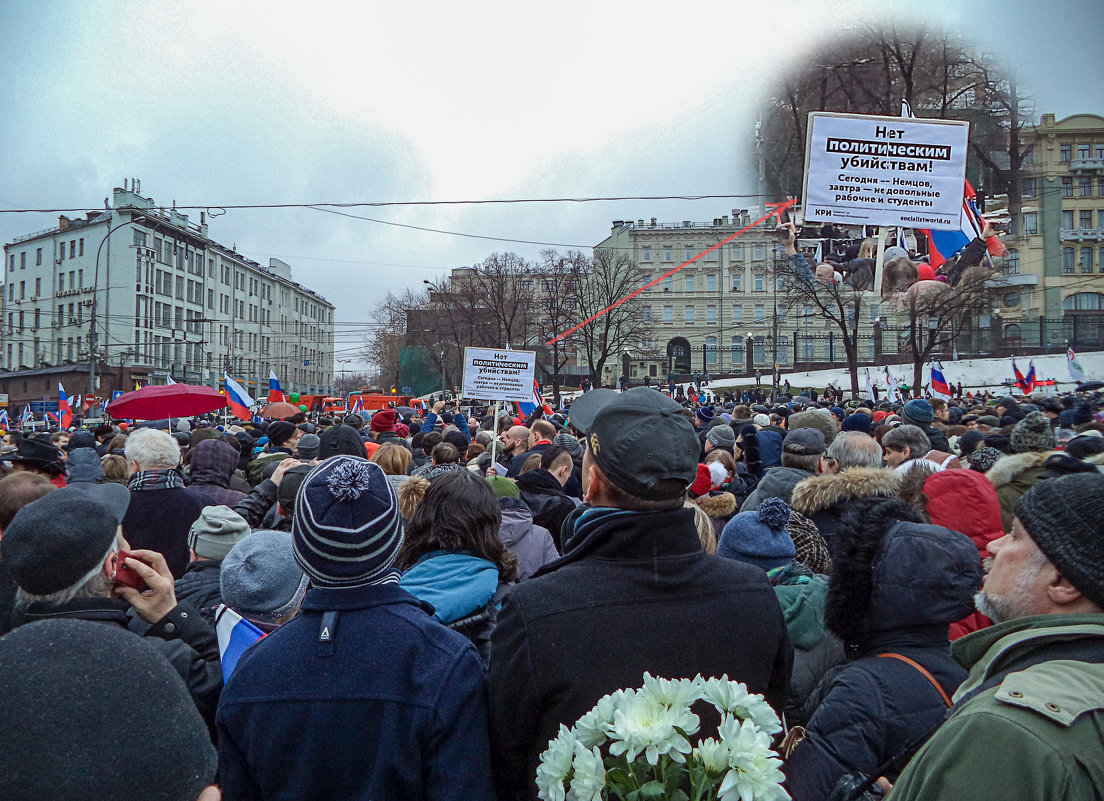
[(1007, 468), (820, 493), (717, 505)]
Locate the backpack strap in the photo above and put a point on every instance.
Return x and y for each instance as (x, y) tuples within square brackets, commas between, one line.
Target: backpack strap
[(923, 670)]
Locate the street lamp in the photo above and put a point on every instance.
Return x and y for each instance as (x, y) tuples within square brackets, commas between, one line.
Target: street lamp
[(95, 293)]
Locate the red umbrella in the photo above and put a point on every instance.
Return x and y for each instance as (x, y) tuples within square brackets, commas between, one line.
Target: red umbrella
[(279, 410), (170, 400)]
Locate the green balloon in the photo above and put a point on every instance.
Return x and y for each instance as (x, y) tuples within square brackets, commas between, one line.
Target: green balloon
[(294, 397), (302, 407)]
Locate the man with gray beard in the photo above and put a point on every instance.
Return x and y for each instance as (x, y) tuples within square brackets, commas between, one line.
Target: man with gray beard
[(1028, 722)]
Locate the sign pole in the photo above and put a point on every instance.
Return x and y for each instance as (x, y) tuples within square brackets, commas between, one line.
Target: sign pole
[(879, 261), (494, 439)]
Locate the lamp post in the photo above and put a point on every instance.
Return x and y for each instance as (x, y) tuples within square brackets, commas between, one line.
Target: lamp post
[(92, 314)]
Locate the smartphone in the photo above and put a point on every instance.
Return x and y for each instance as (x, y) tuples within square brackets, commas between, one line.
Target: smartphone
[(128, 575)]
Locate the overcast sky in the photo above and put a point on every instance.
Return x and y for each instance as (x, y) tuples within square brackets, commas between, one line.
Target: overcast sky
[(260, 103)]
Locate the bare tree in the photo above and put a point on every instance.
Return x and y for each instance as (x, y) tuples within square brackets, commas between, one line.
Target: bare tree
[(612, 275), (934, 314), (560, 277), (383, 347), (869, 70), (837, 302)]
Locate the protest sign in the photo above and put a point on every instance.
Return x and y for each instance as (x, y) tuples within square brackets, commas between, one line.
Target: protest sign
[(499, 374), (892, 171)]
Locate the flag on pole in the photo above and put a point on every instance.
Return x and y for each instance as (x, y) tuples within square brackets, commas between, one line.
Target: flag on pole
[(525, 409), (357, 407), (1021, 382), (237, 398), (892, 392), (275, 394), (870, 385), (939, 384), (901, 239), (168, 379), (819, 256), (235, 634), (26, 418), (65, 413), (1076, 371), (1030, 377), (4, 419)]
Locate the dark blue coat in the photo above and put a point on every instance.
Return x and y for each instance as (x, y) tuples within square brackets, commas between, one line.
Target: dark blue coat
[(392, 707)]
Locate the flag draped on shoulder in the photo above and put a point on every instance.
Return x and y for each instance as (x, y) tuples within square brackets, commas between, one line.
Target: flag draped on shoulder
[(1076, 371), (65, 412), (235, 634), (237, 398)]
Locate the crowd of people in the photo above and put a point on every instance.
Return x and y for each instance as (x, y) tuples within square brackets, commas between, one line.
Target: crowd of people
[(917, 588)]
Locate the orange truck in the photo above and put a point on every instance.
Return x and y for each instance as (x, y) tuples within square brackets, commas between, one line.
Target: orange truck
[(375, 401)]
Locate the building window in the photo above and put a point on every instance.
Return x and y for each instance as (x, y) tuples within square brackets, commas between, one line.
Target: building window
[(808, 349), (1029, 155), (38, 287), (1065, 153), (1011, 262), (1030, 222), (711, 283), (80, 249), (710, 351), (11, 262), (38, 256), (783, 351), (646, 253), (1029, 187), (689, 283), (1084, 187), (667, 282), (780, 283), (737, 282), (1067, 186), (1067, 219), (668, 255), (759, 352), (1100, 261), (1085, 218), (736, 347), (758, 282), (736, 251), (1086, 260), (1067, 260), (711, 314), (667, 314), (758, 252), (140, 238), (737, 314), (80, 279), (1084, 151), (689, 314), (22, 290), (758, 312), (689, 253), (647, 313)]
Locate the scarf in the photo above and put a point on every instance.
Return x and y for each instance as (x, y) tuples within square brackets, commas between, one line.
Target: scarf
[(154, 480)]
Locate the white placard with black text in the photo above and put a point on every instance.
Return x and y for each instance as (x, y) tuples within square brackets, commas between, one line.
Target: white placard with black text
[(499, 374)]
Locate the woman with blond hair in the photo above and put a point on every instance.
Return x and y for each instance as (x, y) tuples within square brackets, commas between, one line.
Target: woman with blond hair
[(395, 461)]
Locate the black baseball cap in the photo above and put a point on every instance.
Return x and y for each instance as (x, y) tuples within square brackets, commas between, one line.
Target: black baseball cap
[(638, 438)]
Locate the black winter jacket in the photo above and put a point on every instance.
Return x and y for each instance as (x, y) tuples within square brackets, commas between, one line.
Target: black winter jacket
[(915, 582), (547, 501), (635, 592), (254, 506), (199, 587)]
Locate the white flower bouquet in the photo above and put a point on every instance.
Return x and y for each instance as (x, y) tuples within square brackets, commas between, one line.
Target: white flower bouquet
[(634, 746)]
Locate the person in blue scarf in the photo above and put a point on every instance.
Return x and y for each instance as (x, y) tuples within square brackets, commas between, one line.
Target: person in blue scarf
[(453, 558)]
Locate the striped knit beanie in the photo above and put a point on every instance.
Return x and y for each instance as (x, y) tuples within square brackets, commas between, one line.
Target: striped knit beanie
[(346, 527)]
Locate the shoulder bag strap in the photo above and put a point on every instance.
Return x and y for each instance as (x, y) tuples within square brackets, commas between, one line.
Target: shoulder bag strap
[(924, 671)]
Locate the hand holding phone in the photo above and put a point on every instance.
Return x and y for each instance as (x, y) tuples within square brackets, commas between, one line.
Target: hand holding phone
[(128, 576), (159, 596)]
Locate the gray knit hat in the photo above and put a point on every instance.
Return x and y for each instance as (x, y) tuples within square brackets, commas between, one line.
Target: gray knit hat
[(722, 437), (1065, 518), (260, 578), (346, 528), (308, 446), (1033, 433), (569, 444), (216, 531)]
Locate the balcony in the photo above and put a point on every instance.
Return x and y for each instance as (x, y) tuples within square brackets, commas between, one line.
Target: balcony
[(1082, 234), (1086, 165)]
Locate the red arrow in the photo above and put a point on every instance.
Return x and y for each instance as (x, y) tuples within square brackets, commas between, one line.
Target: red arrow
[(776, 210)]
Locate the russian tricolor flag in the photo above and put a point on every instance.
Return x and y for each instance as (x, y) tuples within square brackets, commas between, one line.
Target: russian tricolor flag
[(938, 382), (275, 394), (65, 413), (235, 634), (237, 398), (538, 400)]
